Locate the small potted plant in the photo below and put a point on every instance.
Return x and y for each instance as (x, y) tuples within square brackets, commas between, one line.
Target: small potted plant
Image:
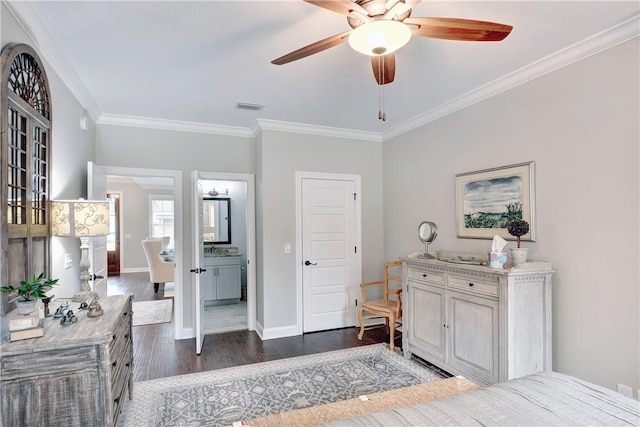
[(518, 228), (30, 291)]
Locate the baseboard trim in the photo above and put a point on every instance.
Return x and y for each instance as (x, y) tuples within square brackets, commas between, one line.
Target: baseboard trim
[(279, 332), (186, 333), (135, 270)]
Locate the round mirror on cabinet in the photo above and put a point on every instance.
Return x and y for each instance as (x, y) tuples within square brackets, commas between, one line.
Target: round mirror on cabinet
[(427, 233)]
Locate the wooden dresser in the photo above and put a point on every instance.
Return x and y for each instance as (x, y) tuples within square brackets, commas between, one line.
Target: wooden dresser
[(485, 324), (74, 375)]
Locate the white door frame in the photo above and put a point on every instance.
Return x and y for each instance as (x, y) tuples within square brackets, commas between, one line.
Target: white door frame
[(300, 175), (250, 180), (178, 305)]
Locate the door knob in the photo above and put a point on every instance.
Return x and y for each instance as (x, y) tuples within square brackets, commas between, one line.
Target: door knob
[(307, 262)]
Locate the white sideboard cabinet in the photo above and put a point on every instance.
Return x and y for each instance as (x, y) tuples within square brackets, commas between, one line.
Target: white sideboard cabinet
[(486, 324)]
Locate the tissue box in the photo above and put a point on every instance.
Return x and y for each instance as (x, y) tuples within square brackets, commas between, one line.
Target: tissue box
[(497, 259)]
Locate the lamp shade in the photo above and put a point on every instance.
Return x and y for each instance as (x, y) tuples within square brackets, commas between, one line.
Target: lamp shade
[(380, 37), (79, 218)]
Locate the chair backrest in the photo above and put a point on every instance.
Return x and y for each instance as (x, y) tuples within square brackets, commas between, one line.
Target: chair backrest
[(165, 242), (390, 268), (159, 270), (152, 247)]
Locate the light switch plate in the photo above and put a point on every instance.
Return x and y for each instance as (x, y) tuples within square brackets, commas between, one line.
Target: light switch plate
[(287, 248)]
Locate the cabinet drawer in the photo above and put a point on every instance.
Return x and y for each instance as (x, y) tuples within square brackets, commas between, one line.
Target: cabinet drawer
[(473, 285), (426, 276), (46, 362), (121, 367)]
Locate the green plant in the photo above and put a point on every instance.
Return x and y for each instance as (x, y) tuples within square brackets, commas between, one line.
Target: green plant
[(32, 288), (518, 228)]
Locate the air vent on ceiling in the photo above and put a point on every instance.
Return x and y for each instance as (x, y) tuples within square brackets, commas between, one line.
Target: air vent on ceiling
[(249, 106)]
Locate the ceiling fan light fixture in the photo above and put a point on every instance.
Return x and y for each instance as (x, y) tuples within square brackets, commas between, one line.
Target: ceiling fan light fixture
[(380, 37)]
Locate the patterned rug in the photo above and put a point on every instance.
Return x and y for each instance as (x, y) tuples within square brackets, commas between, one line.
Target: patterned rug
[(152, 312), (225, 396)]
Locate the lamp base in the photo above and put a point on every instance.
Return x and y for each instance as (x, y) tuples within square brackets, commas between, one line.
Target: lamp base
[(84, 295)]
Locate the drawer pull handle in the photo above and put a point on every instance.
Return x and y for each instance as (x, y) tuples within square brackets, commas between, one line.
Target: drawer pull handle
[(424, 275), (470, 284), (127, 365), (116, 400), (114, 338), (126, 336), (114, 364), (125, 313)]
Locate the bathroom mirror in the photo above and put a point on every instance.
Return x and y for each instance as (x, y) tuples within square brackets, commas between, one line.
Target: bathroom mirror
[(427, 233), (216, 220)]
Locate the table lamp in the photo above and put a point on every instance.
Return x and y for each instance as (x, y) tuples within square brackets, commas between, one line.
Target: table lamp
[(82, 219)]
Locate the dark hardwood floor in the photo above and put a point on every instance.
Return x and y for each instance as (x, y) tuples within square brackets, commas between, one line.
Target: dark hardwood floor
[(157, 354)]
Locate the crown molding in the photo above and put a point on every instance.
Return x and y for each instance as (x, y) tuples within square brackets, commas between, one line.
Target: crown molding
[(175, 125), (32, 23), (606, 39), (264, 124)]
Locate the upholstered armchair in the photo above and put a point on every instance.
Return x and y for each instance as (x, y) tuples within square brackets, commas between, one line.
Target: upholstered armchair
[(160, 270)]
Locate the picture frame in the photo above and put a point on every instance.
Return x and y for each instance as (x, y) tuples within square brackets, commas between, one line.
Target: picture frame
[(486, 200)]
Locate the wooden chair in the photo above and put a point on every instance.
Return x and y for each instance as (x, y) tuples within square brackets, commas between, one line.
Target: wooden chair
[(389, 307)]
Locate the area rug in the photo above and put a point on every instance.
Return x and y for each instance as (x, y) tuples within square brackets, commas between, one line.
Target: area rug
[(152, 312), (169, 290), (224, 396)]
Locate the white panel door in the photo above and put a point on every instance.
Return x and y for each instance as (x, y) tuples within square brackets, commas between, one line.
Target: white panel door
[(328, 251), (198, 257), (97, 190)]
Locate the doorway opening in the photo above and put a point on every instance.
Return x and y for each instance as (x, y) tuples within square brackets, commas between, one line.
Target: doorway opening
[(225, 255), (132, 222), (227, 278)]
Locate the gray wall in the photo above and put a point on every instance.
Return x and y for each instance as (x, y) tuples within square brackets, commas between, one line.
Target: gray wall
[(281, 155), (121, 146), (580, 125), (71, 149)]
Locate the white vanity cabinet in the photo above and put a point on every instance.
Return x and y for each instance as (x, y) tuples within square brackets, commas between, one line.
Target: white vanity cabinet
[(486, 324), (221, 280)]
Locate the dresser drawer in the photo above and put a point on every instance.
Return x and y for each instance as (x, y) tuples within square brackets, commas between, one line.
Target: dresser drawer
[(426, 276), (47, 362), (469, 284), (122, 332)]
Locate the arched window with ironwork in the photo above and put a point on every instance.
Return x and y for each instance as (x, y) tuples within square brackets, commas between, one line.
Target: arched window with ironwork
[(25, 161)]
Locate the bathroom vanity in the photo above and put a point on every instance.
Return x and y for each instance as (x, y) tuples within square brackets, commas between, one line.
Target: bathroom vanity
[(222, 277)]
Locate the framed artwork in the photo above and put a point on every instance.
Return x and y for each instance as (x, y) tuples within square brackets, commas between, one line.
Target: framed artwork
[(487, 200)]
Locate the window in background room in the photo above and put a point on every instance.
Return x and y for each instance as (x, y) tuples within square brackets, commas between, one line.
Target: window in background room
[(161, 220)]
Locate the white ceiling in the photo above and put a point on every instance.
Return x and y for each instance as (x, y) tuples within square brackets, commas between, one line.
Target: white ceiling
[(194, 61)]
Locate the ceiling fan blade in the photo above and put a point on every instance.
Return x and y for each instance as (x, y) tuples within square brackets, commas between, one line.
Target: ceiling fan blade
[(316, 47), (384, 68), (343, 7), (458, 29)]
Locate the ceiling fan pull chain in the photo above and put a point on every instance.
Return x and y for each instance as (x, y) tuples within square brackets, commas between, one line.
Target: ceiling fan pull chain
[(381, 114)]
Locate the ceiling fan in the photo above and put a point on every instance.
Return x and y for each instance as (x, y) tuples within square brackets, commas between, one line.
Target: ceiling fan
[(380, 27)]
